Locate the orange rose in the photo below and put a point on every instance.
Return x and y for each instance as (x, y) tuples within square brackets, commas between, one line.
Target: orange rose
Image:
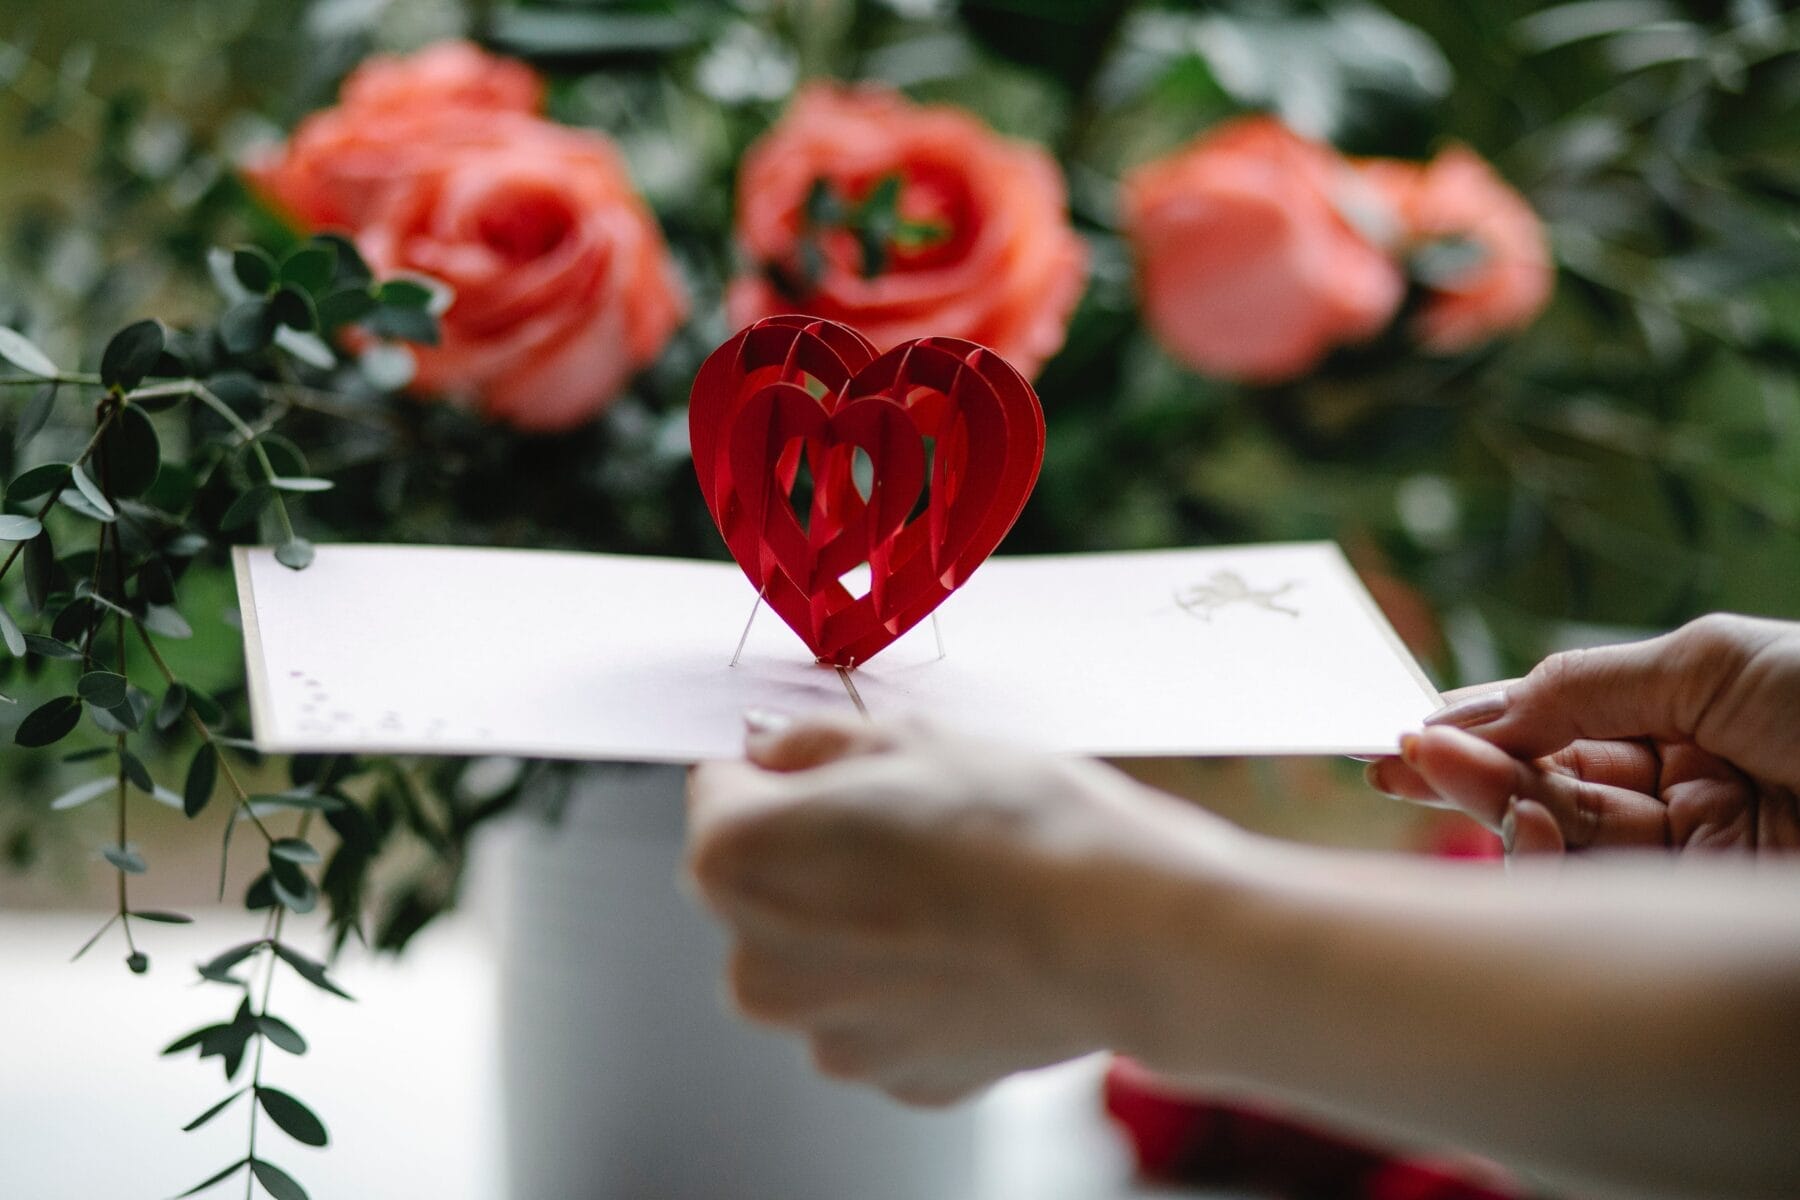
[(1457, 196), (983, 247), (563, 286), (444, 75), (332, 172), (1247, 267)]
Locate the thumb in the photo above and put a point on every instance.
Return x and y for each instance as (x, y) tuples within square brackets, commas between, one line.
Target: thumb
[(776, 742), (1661, 688)]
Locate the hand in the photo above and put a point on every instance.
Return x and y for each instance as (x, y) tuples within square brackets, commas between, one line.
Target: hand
[(1687, 741), (931, 913)]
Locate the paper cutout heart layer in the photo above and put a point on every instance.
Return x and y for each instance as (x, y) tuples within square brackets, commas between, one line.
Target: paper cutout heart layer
[(916, 462)]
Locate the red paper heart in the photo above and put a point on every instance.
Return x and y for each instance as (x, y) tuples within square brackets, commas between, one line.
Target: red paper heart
[(794, 391)]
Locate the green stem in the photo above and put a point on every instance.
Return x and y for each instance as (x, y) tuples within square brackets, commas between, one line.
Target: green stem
[(71, 378), (274, 940), (120, 741)]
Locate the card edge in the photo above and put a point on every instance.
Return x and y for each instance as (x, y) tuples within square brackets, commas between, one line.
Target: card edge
[(256, 678)]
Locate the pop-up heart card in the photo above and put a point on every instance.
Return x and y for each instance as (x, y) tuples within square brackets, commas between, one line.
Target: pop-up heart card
[(824, 463)]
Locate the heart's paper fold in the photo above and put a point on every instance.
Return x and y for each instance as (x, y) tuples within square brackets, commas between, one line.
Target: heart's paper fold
[(915, 463)]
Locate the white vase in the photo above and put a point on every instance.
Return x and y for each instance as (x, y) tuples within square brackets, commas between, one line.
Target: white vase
[(626, 1076)]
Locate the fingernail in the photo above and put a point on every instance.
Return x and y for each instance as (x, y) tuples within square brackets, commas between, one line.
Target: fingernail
[(1409, 749), (1476, 710), (1509, 826), (765, 722), (1372, 777)]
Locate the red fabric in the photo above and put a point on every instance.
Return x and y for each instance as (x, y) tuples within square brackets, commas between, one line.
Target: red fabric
[(1185, 1140)]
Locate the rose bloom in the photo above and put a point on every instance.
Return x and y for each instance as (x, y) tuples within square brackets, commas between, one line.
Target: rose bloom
[(1247, 266), (332, 172), (452, 74), (1458, 196), (562, 284), (1001, 265)]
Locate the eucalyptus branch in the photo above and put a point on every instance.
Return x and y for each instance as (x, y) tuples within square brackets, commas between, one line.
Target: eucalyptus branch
[(112, 410), (249, 436), (206, 735)]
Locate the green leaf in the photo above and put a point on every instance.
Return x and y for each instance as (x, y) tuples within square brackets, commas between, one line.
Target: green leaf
[(296, 554), (102, 688), (403, 324), (159, 917), (49, 647), (253, 267), (283, 1035), (138, 961), (79, 795), (15, 528), (296, 1120), (92, 493), (221, 1177), (295, 309), (309, 267), (202, 775), (291, 885), (163, 619), (341, 308), (188, 1041), (307, 969), (205, 707), (351, 270), (137, 772), (295, 800), (246, 326), (404, 293), (215, 969), (10, 635), (40, 570), (39, 480), (126, 858), (132, 453), (50, 722), (212, 1112), (247, 507), (126, 717), (293, 849), (309, 348), (131, 355), (277, 1182), (288, 483), (15, 349), (155, 583), (174, 703), (34, 416)]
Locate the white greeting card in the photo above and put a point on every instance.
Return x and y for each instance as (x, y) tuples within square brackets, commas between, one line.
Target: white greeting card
[(432, 650)]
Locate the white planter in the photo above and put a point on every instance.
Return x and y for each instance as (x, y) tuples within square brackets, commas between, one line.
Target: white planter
[(627, 1078)]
